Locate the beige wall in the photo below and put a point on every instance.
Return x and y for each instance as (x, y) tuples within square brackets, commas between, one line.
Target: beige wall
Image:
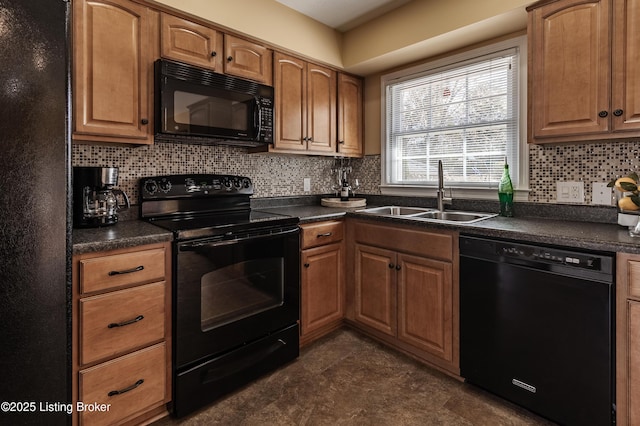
[(424, 28)]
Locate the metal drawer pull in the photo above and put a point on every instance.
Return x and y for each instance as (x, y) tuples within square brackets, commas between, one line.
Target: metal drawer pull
[(126, 271), (326, 234), (122, 324), (125, 390)]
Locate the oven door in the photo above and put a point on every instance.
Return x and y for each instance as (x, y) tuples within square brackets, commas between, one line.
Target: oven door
[(231, 292)]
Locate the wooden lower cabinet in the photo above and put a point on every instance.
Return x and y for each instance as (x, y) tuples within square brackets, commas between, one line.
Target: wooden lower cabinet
[(425, 304), (628, 339), (375, 288), (322, 279), (402, 288), (121, 341)]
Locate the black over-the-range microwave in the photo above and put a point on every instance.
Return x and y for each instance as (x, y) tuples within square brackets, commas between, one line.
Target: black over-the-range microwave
[(197, 104)]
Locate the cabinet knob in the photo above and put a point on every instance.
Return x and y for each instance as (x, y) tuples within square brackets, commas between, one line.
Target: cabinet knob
[(391, 266), (144, 121), (214, 54), (398, 267), (603, 114), (618, 112), (340, 142), (229, 58), (306, 265)]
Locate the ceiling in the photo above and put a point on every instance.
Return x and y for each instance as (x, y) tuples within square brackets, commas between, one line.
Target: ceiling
[(343, 15)]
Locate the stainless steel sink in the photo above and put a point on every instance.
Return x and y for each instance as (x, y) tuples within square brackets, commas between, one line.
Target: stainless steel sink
[(460, 217), (427, 214), (395, 210)]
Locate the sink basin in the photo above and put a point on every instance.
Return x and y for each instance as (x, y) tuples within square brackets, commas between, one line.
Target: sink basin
[(395, 210), (427, 214), (460, 217)]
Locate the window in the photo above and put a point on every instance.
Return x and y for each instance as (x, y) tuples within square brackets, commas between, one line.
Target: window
[(464, 111)]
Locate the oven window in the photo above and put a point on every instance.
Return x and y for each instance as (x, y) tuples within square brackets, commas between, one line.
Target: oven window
[(222, 109), (240, 290)]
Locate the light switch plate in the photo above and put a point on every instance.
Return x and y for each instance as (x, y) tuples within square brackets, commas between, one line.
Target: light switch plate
[(601, 194), (570, 192), (307, 184)]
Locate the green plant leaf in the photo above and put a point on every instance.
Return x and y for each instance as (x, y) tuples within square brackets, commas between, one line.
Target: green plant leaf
[(633, 175), (612, 183)]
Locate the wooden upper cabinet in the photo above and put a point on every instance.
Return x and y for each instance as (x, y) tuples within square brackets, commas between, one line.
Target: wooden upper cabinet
[(626, 65), (569, 62), (187, 41), (584, 63), (350, 137), (305, 97), (321, 109), (291, 103), (245, 59), (113, 58)]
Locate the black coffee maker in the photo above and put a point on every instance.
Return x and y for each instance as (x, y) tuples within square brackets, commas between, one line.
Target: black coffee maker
[(95, 201)]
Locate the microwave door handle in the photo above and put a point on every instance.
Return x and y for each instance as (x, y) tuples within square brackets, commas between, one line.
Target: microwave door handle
[(258, 115)]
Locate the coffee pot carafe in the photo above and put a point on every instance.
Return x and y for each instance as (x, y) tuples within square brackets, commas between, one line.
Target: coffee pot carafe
[(95, 201)]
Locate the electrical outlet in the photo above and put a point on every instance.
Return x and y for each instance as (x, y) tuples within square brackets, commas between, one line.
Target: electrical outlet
[(601, 194), (307, 184), (570, 192)]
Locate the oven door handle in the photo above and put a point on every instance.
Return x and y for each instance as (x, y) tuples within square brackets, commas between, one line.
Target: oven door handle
[(220, 243)]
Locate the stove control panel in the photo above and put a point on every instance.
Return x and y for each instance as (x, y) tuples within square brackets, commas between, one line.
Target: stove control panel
[(195, 185)]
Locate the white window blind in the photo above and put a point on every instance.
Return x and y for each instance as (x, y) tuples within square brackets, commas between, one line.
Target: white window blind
[(465, 115)]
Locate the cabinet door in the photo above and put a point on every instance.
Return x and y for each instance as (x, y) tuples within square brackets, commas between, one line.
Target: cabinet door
[(349, 115), (189, 42), (626, 65), (291, 103), (113, 70), (321, 109), (248, 60), (322, 287), (569, 66), (375, 288), (633, 382), (425, 305)]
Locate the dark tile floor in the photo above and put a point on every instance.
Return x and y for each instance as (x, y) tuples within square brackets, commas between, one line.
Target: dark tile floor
[(348, 379)]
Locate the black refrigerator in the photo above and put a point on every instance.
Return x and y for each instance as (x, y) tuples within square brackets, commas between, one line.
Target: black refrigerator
[(35, 229)]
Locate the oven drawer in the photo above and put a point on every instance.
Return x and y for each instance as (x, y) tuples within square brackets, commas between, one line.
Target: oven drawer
[(126, 386), (321, 233), (114, 323), (107, 272)]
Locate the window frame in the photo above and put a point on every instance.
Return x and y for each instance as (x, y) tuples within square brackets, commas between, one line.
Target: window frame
[(461, 190)]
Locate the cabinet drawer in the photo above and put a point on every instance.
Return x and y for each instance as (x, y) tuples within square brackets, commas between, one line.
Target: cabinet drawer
[(117, 322), (127, 385), (321, 233), (102, 273), (436, 245), (634, 279)]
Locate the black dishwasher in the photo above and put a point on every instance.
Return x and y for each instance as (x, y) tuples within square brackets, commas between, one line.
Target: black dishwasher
[(537, 327)]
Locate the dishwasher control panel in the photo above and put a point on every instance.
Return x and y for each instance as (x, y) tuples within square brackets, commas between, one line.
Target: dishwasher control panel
[(544, 254), (555, 259)]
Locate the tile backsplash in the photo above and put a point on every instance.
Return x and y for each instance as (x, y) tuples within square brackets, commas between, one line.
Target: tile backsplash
[(276, 175)]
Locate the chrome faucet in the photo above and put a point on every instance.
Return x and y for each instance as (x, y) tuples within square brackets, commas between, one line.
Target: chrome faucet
[(442, 200)]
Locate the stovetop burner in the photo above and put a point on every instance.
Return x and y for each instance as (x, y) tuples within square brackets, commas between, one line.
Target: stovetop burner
[(204, 205)]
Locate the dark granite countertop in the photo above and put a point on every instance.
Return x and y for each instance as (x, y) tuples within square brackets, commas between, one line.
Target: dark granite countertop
[(571, 233), (123, 234), (576, 234)]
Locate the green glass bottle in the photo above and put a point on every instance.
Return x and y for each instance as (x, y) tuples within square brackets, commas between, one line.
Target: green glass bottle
[(505, 192)]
